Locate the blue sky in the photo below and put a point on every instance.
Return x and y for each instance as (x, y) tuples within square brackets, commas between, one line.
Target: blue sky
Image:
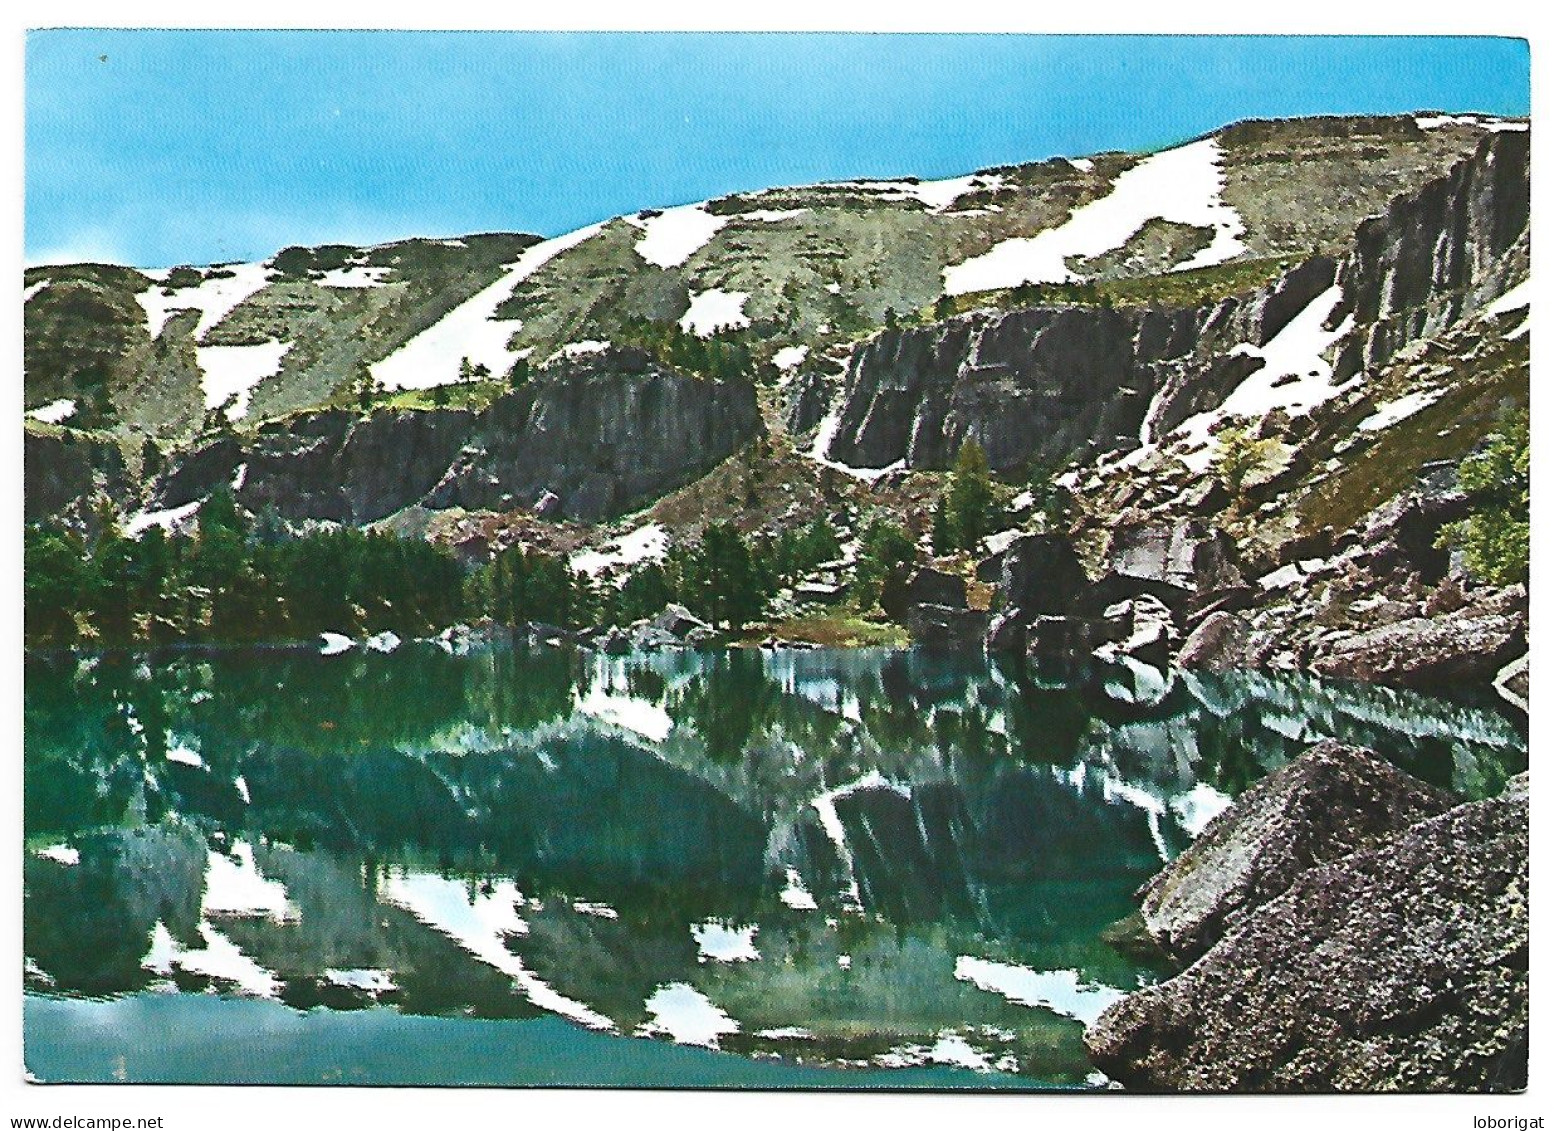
[(162, 147)]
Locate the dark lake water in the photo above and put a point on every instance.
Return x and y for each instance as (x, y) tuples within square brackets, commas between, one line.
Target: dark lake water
[(741, 868)]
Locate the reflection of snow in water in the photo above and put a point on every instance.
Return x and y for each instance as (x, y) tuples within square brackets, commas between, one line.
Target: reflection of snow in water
[(608, 698), (686, 1016), (179, 750), (373, 981), (219, 959), (480, 924), (825, 806), (233, 886), (795, 895), (951, 1049), (722, 943), (1058, 990)]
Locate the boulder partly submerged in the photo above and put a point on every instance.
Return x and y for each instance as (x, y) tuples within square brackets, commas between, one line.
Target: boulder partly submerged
[(1329, 802), (1400, 967)]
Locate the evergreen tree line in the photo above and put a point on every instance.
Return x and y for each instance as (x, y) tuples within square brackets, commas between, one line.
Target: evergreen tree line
[(229, 581), (725, 578), (720, 357), (233, 580)]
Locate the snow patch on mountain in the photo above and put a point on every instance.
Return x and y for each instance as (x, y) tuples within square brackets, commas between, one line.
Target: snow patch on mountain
[(713, 310), (672, 236), (1184, 185), (55, 411), (169, 519), (1392, 412), (937, 195), (471, 331), (1295, 377), (234, 886), (233, 371), (214, 298), (647, 543), (355, 276), (790, 357), (1517, 298), (772, 215), (480, 924), (1482, 121)]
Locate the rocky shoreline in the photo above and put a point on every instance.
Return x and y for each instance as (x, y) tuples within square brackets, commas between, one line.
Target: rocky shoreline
[(1342, 927)]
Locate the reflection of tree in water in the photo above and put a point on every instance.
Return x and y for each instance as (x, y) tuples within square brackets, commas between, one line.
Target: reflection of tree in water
[(1229, 755), (519, 690), (89, 924), (331, 702), (726, 702)]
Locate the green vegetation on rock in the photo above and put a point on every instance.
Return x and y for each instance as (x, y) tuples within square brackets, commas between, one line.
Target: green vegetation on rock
[(1495, 539)]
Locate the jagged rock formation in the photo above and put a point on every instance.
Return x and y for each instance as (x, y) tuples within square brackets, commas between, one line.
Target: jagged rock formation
[(1459, 647), (1089, 374), (1399, 966), (600, 434), (1338, 564), (1406, 281), (65, 475), (809, 272)]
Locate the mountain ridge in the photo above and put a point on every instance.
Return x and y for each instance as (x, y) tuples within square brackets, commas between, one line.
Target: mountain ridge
[(1294, 287)]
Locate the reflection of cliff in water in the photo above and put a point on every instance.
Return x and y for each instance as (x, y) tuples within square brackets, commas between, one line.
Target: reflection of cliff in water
[(831, 855)]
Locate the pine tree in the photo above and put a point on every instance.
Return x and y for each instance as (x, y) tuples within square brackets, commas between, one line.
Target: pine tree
[(966, 511)]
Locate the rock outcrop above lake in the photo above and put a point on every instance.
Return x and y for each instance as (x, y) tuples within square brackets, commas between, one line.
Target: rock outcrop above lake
[(1466, 646), (1364, 956), (601, 434), (1088, 373), (66, 475)]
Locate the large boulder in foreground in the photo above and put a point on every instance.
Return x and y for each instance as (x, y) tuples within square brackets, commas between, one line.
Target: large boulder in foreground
[(1402, 967), (1329, 802)]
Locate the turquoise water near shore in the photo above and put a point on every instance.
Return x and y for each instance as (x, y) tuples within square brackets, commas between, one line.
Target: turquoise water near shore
[(201, 1039), (767, 869)]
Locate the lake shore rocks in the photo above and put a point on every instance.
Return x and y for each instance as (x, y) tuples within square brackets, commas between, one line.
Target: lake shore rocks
[(1329, 802), (1349, 930)]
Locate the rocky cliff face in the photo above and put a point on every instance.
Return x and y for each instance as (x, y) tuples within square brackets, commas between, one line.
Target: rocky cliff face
[(1438, 254), (1051, 384), (65, 475), (1336, 563), (1048, 384), (599, 435)]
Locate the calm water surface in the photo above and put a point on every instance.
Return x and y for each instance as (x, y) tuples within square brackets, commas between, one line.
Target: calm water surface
[(743, 868)]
